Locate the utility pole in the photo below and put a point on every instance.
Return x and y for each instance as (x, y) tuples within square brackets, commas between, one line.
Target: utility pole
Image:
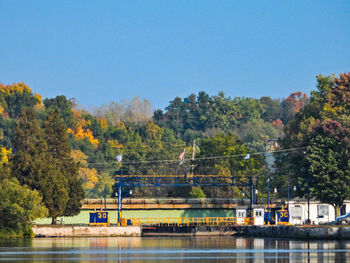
[(105, 196), (268, 195), (119, 203), (288, 195), (308, 200), (193, 154), (251, 185)]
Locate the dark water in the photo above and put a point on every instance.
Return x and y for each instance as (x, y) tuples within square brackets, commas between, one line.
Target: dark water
[(172, 249)]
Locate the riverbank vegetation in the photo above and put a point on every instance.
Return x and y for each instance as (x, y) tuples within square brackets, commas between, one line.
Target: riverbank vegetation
[(64, 153), (321, 130)]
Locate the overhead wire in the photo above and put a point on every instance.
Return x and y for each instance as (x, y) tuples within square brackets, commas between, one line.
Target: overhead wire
[(203, 158)]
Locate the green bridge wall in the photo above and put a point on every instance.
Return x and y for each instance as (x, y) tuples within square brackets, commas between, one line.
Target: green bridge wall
[(83, 217)]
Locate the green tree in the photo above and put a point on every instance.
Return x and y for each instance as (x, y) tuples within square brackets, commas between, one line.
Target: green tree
[(64, 108), (64, 188), (328, 162), (224, 155), (28, 163), (19, 206), (16, 97), (104, 179), (256, 134), (197, 192), (272, 109), (320, 134)]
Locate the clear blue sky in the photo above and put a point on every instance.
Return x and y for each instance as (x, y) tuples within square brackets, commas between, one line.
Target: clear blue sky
[(102, 51)]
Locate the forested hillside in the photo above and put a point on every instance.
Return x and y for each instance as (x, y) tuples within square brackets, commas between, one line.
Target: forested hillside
[(151, 142), (54, 154)]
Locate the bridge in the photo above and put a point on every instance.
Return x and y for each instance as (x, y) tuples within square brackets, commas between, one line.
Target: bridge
[(133, 181), (164, 203)]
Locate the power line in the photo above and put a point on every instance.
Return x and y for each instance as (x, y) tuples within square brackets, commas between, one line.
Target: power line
[(205, 158)]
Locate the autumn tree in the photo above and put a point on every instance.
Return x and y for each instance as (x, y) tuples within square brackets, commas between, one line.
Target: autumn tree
[(14, 98), (320, 136), (293, 104), (88, 176)]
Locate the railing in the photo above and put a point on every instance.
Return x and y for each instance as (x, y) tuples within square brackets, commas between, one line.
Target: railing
[(185, 221)]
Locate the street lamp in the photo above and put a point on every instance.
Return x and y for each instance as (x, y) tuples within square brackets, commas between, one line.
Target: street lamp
[(268, 195), (120, 201), (288, 192), (267, 216), (308, 221)]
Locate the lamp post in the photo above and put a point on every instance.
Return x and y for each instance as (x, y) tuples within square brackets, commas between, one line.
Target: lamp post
[(268, 212), (243, 194), (119, 194), (308, 221), (288, 192), (251, 194), (268, 195), (120, 202), (288, 196), (105, 196)]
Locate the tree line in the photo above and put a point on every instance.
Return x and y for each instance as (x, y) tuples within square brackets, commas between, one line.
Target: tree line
[(59, 153)]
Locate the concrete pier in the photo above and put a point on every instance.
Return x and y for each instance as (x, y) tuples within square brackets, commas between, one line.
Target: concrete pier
[(86, 231), (298, 232)]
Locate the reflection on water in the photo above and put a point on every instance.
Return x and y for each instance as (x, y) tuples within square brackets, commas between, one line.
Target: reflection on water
[(173, 249)]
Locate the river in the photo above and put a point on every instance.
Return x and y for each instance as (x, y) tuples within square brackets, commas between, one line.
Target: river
[(172, 249)]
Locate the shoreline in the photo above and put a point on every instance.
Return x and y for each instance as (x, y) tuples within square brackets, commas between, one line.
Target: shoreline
[(299, 232), (290, 232), (86, 231)]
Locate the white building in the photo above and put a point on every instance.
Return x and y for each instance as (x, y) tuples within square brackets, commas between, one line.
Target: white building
[(319, 213)]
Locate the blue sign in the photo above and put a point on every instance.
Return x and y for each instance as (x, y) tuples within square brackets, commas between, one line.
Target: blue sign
[(98, 218), (283, 216)]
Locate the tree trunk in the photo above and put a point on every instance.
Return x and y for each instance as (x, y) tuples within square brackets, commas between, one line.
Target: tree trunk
[(337, 211), (53, 222)]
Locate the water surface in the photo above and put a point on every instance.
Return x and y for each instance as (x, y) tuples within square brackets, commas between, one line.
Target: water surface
[(172, 249)]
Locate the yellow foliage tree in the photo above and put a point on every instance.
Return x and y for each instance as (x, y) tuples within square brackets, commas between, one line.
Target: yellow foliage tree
[(4, 155), (15, 88), (89, 176), (80, 134), (115, 144), (153, 131), (103, 122), (121, 126)]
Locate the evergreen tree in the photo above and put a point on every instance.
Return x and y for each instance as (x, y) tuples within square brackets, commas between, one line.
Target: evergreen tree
[(75, 195), (63, 171), (28, 162)]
